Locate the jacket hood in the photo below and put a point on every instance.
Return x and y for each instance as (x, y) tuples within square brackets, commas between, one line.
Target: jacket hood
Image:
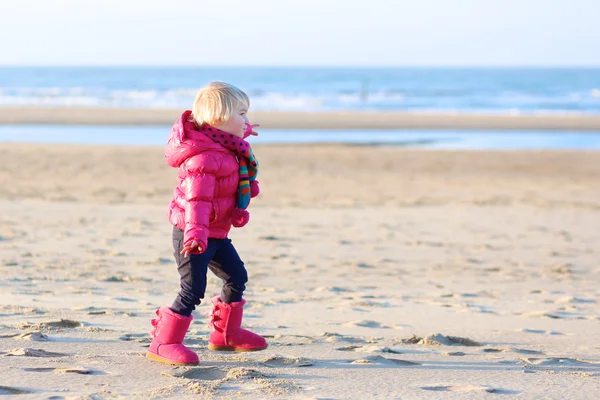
[(186, 140)]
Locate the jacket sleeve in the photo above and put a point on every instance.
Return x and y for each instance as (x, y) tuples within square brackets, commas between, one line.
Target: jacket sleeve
[(199, 185)]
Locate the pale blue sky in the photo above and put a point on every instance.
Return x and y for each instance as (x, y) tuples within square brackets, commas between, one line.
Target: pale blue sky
[(307, 32)]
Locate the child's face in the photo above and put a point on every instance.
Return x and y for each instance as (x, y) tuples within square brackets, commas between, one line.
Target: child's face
[(236, 125)]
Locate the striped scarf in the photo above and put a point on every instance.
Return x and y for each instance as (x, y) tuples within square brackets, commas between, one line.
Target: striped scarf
[(247, 161)]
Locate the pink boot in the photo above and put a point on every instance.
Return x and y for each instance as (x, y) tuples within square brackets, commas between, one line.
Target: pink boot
[(226, 334), (169, 330)]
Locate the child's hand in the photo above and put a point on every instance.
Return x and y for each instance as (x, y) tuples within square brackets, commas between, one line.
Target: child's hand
[(193, 247), (254, 126), (250, 130)]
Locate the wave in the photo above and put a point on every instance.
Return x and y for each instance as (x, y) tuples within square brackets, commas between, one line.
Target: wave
[(388, 99)]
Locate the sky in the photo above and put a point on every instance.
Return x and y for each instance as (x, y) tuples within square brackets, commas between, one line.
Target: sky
[(300, 33)]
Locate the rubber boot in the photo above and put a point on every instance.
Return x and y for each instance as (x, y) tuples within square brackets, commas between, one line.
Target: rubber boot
[(168, 333), (226, 332)]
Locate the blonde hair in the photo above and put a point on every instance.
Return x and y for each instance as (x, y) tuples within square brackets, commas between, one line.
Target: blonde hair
[(215, 102)]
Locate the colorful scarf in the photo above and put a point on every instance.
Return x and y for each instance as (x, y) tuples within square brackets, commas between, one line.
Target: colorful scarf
[(247, 161)]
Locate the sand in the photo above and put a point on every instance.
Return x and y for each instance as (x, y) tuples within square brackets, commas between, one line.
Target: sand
[(310, 120), (375, 273)]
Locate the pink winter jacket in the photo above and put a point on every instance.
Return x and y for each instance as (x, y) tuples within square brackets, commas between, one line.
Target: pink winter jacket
[(208, 177)]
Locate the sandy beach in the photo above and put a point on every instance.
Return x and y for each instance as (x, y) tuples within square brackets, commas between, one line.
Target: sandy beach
[(310, 120), (375, 273)]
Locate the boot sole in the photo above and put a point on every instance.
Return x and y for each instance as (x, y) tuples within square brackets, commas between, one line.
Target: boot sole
[(235, 349), (157, 358)]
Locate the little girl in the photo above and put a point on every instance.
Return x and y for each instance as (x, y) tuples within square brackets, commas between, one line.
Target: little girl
[(217, 177)]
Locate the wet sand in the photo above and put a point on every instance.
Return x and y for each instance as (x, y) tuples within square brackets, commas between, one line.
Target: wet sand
[(309, 120)]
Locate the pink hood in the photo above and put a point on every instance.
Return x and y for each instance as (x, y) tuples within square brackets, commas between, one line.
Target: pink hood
[(186, 140)]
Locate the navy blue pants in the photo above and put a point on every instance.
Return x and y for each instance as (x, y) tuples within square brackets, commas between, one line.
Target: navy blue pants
[(221, 258)]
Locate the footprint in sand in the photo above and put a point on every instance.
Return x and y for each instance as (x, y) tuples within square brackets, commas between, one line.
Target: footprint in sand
[(455, 354), (361, 265), (122, 278), (247, 380), (439, 339), (348, 348), (491, 350), (370, 303), (336, 337), (63, 323), (7, 390), (75, 370), (379, 349), (520, 351), (67, 370), (199, 373), (34, 337), (39, 369), (369, 349), (286, 362), (540, 331), (124, 299), (574, 300), (548, 314), (27, 352), (17, 310), (245, 373), (384, 361), (414, 339), (189, 341), (271, 238), (527, 351), (558, 362), (332, 289), (366, 324), (291, 340), (460, 388), (137, 337)]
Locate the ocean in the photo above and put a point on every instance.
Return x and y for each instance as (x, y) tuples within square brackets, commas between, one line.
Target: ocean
[(468, 90), (474, 90)]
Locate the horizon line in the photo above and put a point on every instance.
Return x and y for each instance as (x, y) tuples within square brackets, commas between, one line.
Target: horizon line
[(415, 66)]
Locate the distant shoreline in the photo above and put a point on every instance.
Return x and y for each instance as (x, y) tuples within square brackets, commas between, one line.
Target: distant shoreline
[(330, 120)]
